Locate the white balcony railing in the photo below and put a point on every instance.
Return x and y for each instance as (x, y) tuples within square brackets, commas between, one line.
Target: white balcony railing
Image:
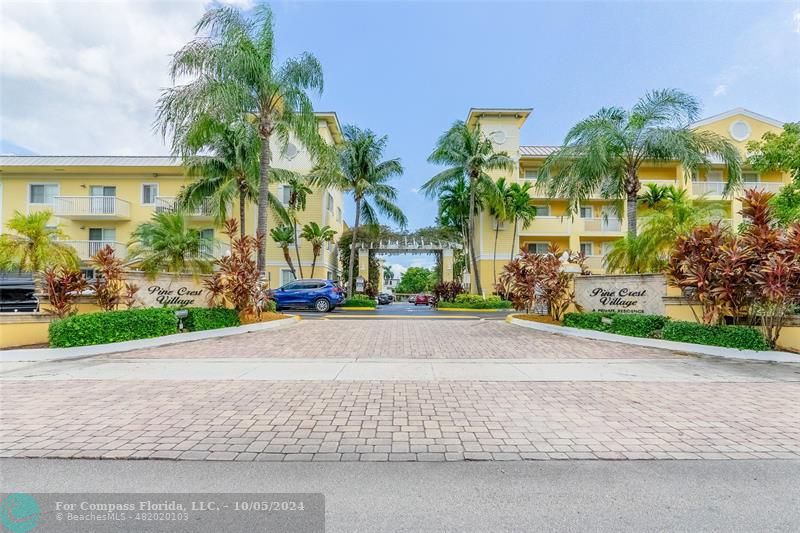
[(602, 225), (548, 225), (766, 186), (97, 207), (169, 204), (87, 249), (709, 188)]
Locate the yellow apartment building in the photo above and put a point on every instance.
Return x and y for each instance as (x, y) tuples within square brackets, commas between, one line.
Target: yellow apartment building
[(99, 200), (596, 227)]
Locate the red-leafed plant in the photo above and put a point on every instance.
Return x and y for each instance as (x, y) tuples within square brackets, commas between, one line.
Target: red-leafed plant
[(236, 281), (63, 286), (110, 288), (446, 291), (753, 276)]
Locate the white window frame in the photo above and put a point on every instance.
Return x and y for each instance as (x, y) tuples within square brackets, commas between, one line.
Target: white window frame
[(590, 243), (590, 208), (536, 243), (606, 247), (534, 171), (751, 173), (141, 193), (284, 196), (289, 274), (715, 176), (338, 214), (329, 201), (45, 184), (538, 209)]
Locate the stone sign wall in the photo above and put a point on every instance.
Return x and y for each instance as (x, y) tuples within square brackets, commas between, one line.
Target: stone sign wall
[(172, 290), (622, 294)]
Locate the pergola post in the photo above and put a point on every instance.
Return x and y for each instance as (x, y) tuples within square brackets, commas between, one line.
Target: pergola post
[(447, 264), (363, 263)]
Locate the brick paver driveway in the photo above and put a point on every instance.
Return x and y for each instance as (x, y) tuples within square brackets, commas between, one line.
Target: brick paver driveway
[(418, 338), (233, 419)]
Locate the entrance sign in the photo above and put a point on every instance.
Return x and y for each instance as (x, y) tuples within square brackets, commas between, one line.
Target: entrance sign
[(639, 293), (170, 290), (360, 284)]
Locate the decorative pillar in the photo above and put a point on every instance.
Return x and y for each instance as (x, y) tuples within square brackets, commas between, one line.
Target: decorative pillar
[(363, 263), (447, 264)]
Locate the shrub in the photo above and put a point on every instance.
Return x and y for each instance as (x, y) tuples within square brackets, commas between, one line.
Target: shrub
[(632, 325), (200, 318), (447, 291), (63, 288), (112, 326), (742, 337), (357, 301), (110, 289), (476, 301)]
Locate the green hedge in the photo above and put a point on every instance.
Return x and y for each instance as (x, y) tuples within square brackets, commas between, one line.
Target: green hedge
[(357, 301), (742, 337), (201, 318), (475, 301), (632, 325), (112, 326)]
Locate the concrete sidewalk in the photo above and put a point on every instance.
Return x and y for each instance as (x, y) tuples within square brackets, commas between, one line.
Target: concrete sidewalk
[(679, 369)]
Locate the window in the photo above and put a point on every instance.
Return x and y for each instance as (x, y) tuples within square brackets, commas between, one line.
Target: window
[(538, 247), (329, 200), (498, 224), (286, 277), (102, 190), (530, 174), (286, 194), (338, 214), (751, 177), (714, 175), (207, 241), (88, 273), (102, 234), (586, 211), (542, 210), (149, 193), (42, 194), (587, 248), (606, 247), (329, 275)]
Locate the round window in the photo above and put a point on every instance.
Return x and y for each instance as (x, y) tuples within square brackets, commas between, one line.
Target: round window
[(498, 137), (740, 130), (291, 151)]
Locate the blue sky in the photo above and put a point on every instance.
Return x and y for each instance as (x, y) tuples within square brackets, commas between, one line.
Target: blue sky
[(405, 69)]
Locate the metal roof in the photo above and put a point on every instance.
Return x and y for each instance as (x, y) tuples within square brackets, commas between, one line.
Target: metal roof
[(537, 151), (87, 161)]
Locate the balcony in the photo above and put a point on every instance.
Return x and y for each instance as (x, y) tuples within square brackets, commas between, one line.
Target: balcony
[(91, 208), (169, 204), (87, 249), (661, 183), (764, 186), (547, 225), (711, 189), (602, 226)]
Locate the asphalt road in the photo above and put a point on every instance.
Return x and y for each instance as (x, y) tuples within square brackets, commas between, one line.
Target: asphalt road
[(499, 496), (403, 310)]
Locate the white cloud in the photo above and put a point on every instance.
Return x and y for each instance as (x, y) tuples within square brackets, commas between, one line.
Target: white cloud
[(721, 90), (415, 190), (796, 20)]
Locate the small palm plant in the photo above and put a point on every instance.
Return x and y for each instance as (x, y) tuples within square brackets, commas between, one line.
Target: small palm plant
[(168, 244), (298, 194), (33, 245), (317, 236), (519, 210), (284, 237)]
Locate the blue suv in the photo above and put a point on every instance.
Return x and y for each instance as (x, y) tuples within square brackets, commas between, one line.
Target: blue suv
[(322, 295)]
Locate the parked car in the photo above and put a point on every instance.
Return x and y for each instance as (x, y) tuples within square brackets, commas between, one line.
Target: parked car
[(384, 299), (412, 298), (322, 295), (422, 299)]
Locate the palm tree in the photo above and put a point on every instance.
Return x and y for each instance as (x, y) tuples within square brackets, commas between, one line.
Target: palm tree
[(470, 154), (499, 201), (298, 194), (520, 209), (603, 153), (235, 74), (284, 236), (167, 243), (317, 236), (223, 158), (34, 245), (653, 195), (358, 170), (453, 208), (388, 274)]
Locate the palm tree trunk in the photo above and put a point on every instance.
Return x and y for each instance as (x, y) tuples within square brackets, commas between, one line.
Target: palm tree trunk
[(473, 248), (514, 239), (350, 281), (632, 191), (297, 247), (288, 257), (314, 261), (494, 259), (263, 194), (242, 202)]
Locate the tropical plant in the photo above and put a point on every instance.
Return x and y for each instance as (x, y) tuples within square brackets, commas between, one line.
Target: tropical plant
[(345, 245), (499, 199), (359, 170), (284, 236), (469, 155), (519, 210), (298, 194), (33, 245), (317, 236), (234, 73), (653, 195), (388, 274), (446, 291), (63, 287), (779, 152), (416, 279), (603, 153), (223, 159), (110, 288), (168, 244), (236, 279), (453, 211), (786, 204)]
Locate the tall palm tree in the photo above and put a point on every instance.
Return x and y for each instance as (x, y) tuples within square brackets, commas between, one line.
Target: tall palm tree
[(453, 208), (470, 154), (298, 194), (234, 72), (284, 235), (317, 236), (359, 170), (499, 200), (603, 153), (167, 243), (388, 274), (33, 245), (520, 209)]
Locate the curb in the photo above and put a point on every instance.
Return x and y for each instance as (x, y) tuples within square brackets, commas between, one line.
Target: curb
[(341, 308), (684, 347), (467, 309), (79, 352)]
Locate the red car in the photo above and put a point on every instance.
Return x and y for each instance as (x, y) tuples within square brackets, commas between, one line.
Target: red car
[(422, 299)]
